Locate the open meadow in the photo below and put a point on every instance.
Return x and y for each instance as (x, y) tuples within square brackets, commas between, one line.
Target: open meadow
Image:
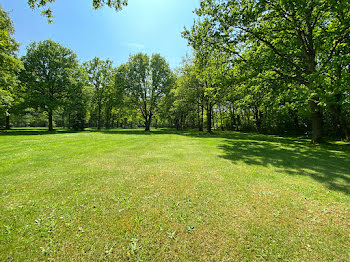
[(167, 195)]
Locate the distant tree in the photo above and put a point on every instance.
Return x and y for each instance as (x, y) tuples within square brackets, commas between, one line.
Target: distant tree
[(96, 4), (148, 81), (189, 97), (77, 98), (100, 76), (10, 65), (47, 70), (115, 95)]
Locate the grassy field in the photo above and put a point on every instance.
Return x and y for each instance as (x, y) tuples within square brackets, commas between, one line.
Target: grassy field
[(176, 196)]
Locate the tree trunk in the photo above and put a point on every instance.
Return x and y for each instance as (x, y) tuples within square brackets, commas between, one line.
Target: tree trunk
[(221, 120), (316, 118), (177, 125), (232, 118), (148, 123), (201, 119), (7, 127), (50, 121), (209, 115), (99, 117)]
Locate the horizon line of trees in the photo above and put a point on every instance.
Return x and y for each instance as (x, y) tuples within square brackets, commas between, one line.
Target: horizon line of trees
[(255, 67)]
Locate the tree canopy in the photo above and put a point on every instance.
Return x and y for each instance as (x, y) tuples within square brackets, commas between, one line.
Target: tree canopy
[(10, 65), (301, 42), (265, 66), (149, 80), (96, 4), (48, 67)]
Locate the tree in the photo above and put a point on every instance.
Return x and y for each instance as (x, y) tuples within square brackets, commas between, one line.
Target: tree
[(115, 95), (47, 70), (77, 98), (10, 65), (97, 4), (148, 81), (303, 37), (189, 96), (100, 75)]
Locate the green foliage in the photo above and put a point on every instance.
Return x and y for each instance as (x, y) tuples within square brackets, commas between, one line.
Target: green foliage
[(101, 76), (303, 44), (148, 82), (77, 98), (48, 71), (96, 4), (10, 65)]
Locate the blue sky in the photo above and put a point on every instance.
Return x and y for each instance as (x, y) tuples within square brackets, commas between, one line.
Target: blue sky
[(149, 26)]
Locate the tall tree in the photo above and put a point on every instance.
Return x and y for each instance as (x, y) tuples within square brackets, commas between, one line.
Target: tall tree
[(10, 65), (77, 99), (303, 37), (189, 96), (148, 81), (115, 95), (100, 75), (47, 69)]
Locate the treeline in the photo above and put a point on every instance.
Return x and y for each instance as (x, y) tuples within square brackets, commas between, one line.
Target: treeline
[(280, 64), (49, 87), (273, 67), (53, 85)]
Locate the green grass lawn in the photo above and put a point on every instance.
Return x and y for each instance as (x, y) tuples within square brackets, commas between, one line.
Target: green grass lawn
[(177, 196)]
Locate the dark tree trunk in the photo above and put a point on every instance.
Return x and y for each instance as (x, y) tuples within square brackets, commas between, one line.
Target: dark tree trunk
[(108, 117), (148, 123), (99, 117), (209, 118), (201, 119), (232, 118), (7, 127), (50, 121), (177, 125), (258, 118), (221, 120), (316, 117)]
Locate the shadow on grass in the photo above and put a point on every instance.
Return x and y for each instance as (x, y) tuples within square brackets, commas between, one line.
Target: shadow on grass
[(34, 132), (45, 131), (327, 163)]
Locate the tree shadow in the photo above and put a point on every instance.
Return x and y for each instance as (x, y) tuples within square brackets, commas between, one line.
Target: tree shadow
[(160, 131), (45, 131), (328, 164), (34, 132)]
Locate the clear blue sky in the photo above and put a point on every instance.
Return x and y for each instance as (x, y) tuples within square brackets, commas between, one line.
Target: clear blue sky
[(149, 26)]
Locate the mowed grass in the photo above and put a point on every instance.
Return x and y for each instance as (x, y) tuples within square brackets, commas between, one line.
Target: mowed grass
[(172, 196)]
